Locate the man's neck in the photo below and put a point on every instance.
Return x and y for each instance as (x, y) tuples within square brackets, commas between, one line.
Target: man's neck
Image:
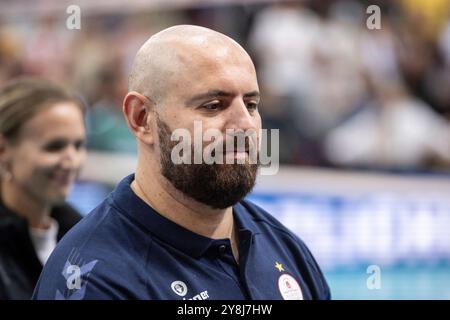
[(184, 211), (25, 205)]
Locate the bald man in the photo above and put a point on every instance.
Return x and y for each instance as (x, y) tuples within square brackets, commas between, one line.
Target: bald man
[(183, 230)]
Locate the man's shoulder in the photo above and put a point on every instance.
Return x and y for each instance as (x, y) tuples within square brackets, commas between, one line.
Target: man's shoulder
[(278, 235), (93, 224), (105, 232)]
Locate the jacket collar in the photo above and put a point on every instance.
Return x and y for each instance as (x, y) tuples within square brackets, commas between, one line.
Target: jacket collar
[(175, 235)]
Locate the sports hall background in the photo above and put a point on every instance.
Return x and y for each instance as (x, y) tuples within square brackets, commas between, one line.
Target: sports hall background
[(363, 117)]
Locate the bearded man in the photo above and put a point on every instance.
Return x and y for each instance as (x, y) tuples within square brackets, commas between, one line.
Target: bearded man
[(183, 230)]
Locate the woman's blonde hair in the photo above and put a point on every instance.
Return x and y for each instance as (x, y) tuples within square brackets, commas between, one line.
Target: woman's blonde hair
[(23, 98)]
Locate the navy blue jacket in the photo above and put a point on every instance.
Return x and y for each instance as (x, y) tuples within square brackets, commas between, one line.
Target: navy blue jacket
[(125, 250)]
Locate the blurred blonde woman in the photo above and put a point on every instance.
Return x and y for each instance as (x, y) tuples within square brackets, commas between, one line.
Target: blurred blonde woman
[(42, 147)]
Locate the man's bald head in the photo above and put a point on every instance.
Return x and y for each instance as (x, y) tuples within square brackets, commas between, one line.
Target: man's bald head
[(193, 74), (173, 54)]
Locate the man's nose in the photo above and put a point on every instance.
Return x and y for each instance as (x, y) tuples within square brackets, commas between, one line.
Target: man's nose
[(240, 118)]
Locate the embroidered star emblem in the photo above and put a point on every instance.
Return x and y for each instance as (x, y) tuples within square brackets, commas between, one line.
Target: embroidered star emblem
[(279, 266)]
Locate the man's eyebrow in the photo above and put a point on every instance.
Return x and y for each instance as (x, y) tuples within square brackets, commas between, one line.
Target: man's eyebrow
[(252, 94), (219, 93)]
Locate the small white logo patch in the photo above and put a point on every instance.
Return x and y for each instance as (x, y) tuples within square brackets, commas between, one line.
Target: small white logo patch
[(179, 287), (289, 288)]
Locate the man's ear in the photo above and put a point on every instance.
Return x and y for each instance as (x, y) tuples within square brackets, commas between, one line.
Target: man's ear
[(138, 112)]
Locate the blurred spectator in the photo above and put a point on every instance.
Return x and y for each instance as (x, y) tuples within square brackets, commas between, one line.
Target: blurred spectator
[(10, 48), (107, 130), (42, 138), (317, 60), (308, 60), (394, 130), (431, 15), (444, 43), (47, 49)]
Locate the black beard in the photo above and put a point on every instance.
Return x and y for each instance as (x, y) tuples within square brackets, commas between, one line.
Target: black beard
[(216, 185)]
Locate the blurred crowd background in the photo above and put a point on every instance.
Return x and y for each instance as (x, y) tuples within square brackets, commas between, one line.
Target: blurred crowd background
[(341, 94)]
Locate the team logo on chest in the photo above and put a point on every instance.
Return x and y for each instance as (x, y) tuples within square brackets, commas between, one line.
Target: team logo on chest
[(288, 286), (179, 287)]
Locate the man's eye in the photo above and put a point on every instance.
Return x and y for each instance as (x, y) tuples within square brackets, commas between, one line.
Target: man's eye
[(212, 106), (252, 106)]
